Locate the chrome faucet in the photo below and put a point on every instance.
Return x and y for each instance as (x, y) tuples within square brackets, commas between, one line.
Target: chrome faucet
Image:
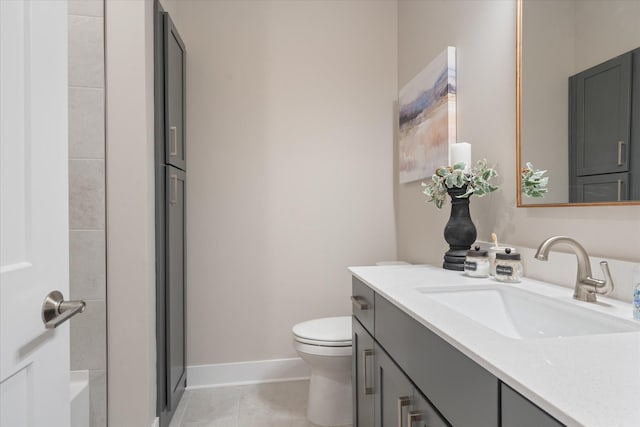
[(586, 286)]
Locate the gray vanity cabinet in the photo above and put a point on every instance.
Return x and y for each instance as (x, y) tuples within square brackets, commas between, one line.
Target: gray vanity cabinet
[(602, 99), (362, 374), (363, 299), (174, 86), (395, 396), (426, 413), (176, 364), (464, 393), (170, 215), (383, 395), (519, 412), (604, 149), (405, 375), (602, 188), (400, 403)]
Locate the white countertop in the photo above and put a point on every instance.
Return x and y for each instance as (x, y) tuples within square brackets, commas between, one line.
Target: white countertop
[(591, 380)]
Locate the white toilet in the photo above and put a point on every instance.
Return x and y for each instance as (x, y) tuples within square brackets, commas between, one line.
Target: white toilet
[(325, 345)]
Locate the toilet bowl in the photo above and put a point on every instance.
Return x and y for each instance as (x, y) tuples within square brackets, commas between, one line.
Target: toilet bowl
[(325, 345)]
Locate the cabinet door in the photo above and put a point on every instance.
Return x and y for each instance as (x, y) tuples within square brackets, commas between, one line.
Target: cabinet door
[(601, 124), (611, 187), (364, 388), (423, 414), (394, 399), (363, 300), (398, 402), (519, 412), (464, 393), (175, 285), (174, 75)]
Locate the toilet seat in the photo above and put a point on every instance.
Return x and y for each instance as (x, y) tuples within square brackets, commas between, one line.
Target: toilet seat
[(327, 332), (323, 343), (322, 350)]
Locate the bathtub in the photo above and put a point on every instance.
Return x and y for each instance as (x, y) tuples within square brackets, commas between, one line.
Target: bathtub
[(79, 398)]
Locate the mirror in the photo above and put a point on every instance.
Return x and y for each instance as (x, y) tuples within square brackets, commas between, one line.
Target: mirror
[(578, 60)]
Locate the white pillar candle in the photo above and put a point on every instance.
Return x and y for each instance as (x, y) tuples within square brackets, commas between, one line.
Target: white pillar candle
[(461, 153)]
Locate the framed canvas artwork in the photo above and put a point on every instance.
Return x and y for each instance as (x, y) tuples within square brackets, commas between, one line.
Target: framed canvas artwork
[(427, 118)]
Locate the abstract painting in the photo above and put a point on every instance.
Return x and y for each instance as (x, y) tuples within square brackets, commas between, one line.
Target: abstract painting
[(427, 118)]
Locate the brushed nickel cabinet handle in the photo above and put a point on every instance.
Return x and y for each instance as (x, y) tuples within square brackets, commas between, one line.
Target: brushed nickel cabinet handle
[(413, 416), (173, 141), (55, 310), (620, 144), (402, 402), (365, 355), (619, 190), (173, 198), (358, 302)]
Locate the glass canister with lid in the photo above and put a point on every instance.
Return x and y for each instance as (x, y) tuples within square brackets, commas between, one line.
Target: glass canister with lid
[(476, 264), (508, 267)]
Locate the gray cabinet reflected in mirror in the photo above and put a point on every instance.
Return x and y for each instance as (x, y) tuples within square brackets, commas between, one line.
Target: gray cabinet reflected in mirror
[(578, 99)]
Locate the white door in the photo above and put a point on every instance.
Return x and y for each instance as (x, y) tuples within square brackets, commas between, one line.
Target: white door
[(34, 361)]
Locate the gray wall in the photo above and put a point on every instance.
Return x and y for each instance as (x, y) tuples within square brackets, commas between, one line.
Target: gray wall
[(290, 110), (484, 34), (87, 197), (130, 213)]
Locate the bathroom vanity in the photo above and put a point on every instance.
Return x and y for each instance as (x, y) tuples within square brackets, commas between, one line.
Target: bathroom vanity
[(419, 361)]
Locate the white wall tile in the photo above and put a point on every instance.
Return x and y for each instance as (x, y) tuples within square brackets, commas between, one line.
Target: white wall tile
[(86, 123), (87, 264), (88, 333), (86, 194), (98, 398), (87, 251), (86, 7), (86, 51)]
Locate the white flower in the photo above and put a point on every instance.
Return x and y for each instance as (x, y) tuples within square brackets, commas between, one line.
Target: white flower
[(477, 182)]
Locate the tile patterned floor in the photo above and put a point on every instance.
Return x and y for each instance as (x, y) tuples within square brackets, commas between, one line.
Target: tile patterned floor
[(258, 405)]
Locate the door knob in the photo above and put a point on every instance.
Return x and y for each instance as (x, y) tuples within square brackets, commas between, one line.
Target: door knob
[(55, 310)]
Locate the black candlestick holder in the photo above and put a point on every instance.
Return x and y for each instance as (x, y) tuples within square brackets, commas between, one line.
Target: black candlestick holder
[(460, 233)]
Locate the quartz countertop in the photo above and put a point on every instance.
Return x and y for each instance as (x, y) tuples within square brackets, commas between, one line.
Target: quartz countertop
[(591, 380)]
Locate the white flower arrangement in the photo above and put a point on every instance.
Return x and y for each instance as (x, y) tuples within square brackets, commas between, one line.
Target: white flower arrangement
[(533, 183), (476, 182)]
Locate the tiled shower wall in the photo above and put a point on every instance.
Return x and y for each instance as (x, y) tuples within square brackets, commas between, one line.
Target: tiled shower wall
[(87, 251)]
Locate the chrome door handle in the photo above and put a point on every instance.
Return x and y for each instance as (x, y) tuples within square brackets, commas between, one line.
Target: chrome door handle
[(357, 301), (55, 310)]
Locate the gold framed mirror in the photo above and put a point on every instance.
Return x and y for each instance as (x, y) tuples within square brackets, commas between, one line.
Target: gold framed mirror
[(560, 46)]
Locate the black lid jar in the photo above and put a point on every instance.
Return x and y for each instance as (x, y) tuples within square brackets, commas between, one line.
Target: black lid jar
[(476, 264), (508, 267)]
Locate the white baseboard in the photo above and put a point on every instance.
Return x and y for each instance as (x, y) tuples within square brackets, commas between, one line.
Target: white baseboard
[(156, 422), (260, 371)]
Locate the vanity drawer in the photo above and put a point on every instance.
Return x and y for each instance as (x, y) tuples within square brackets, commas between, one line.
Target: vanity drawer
[(517, 411), (362, 298), (464, 392)]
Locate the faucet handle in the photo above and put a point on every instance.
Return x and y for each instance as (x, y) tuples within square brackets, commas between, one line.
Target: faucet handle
[(608, 285)]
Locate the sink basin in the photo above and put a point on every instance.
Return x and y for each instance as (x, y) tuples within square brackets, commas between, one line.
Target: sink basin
[(520, 314)]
